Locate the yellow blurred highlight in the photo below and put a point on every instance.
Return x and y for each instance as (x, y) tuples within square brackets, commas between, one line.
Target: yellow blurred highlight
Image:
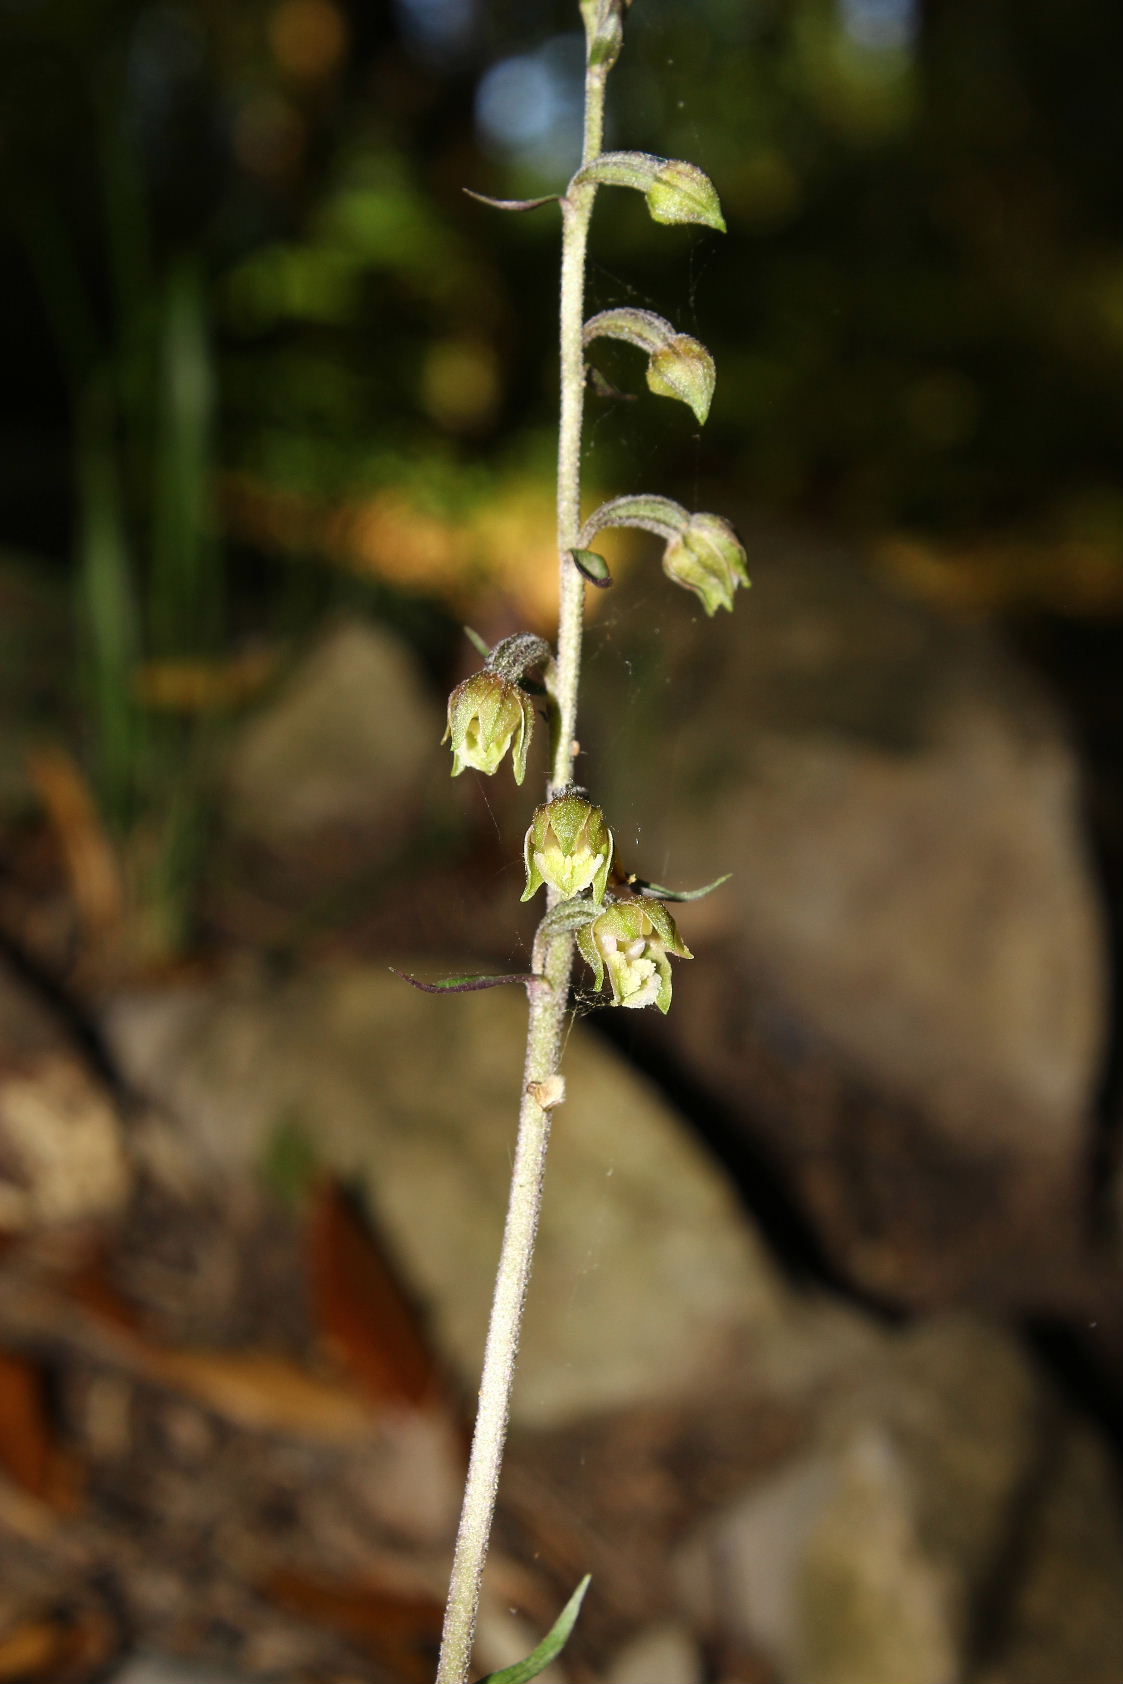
[(196, 686), (91, 865), (1073, 577), (308, 37), (503, 548), (460, 384)]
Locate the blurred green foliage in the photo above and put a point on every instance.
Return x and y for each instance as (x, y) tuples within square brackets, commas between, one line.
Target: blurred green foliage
[(243, 276), (917, 317)]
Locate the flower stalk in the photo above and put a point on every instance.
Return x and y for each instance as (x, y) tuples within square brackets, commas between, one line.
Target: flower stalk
[(553, 957), (617, 922)]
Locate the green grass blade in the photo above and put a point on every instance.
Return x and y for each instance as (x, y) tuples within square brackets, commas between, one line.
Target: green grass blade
[(550, 1647)]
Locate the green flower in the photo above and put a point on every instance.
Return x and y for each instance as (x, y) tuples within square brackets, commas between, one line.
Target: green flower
[(681, 192), (487, 715), (568, 846), (683, 369), (708, 559), (631, 939)]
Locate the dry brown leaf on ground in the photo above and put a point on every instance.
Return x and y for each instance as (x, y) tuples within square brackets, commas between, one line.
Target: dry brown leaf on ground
[(366, 1318), (30, 1454), (400, 1632), (262, 1391), (57, 1646), (91, 863), (25, 1437)]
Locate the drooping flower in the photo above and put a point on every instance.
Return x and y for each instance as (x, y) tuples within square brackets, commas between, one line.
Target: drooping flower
[(707, 558), (568, 846), (631, 939), (487, 715)]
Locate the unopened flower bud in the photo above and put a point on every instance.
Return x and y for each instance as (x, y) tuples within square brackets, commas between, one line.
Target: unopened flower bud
[(569, 847), (684, 369), (604, 29), (675, 191), (708, 559), (631, 940), (487, 715), (681, 192)]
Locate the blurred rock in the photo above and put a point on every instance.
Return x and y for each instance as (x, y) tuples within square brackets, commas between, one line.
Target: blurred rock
[(1060, 1615), (329, 776), (919, 1535), (646, 1272), (163, 1669), (62, 1155), (903, 986), (62, 1159), (28, 1029), (664, 1654)]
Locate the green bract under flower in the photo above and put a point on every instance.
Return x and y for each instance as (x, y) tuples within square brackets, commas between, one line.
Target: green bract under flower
[(708, 559), (487, 715), (631, 940), (569, 847)]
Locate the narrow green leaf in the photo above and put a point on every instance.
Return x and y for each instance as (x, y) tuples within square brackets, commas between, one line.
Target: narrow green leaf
[(477, 642), (463, 984), (549, 1648), (593, 567), (512, 204), (657, 891)]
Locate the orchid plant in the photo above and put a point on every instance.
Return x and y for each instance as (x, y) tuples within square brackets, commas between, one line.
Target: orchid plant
[(618, 924)]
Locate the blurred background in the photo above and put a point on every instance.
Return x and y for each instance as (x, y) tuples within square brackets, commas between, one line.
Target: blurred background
[(821, 1376)]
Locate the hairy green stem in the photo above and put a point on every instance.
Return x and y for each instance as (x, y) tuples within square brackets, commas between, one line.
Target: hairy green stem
[(577, 208), (553, 962)]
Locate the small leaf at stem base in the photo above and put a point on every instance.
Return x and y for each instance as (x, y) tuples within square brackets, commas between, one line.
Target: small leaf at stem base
[(549, 1648)]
